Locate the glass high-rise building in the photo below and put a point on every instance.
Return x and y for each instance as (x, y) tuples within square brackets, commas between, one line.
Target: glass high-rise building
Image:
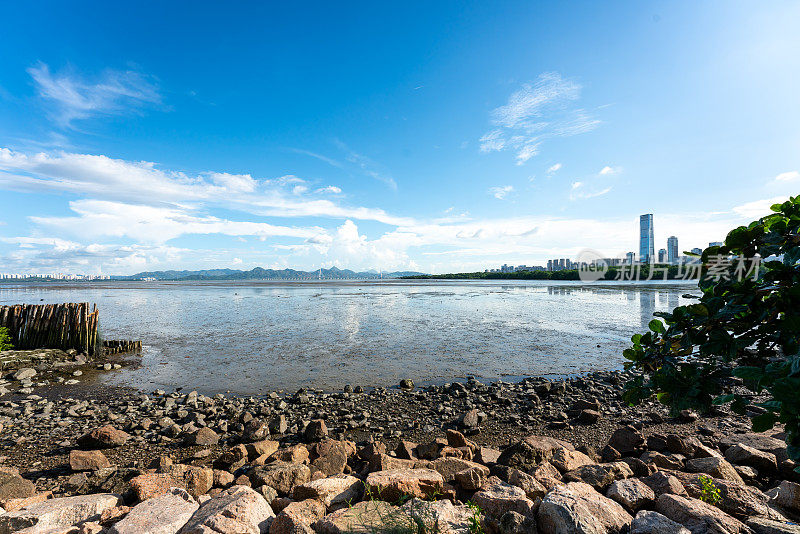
[(647, 248), (672, 249)]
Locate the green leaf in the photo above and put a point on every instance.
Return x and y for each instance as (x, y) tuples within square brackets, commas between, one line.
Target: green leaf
[(723, 399), (657, 326), (763, 422), (748, 373)]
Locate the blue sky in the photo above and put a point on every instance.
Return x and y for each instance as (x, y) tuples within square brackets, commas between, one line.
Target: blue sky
[(434, 136)]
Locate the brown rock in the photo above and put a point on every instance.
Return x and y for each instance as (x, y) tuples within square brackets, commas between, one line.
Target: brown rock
[(626, 440), (281, 476), (662, 483), (151, 485), (316, 430), (600, 475), (448, 467), (699, 517), (531, 451), (716, 467), (298, 517), (744, 455), (632, 493), (366, 517), (788, 496), (205, 437), (650, 522), (260, 448), (579, 508), (330, 491), (14, 487), (296, 454), (471, 479), (497, 498), (196, 480), (235, 510), (104, 437), (393, 484), (567, 460), (87, 460), (547, 475)]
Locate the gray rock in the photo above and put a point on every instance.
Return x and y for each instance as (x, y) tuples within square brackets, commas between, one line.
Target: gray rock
[(237, 509), (649, 522), (632, 493), (58, 513), (165, 514), (699, 517), (579, 508)]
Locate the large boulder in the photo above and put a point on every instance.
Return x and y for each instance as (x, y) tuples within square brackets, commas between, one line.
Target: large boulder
[(578, 508), (196, 480), (165, 514), (330, 491), (742, 454), (738, 500), (297, 517), (366, 517), (626, 440), (87, 460), (497, 498), (103, 437), (149, 485), (632, 493), (788, 496), (567, 460), (699, 517), (282, 476), (441, 517), (393, 484), (650, 522), (448, 467), (600, 475), (238, 509), (531, 451), (15, 487), (716, 467), (58, 513)]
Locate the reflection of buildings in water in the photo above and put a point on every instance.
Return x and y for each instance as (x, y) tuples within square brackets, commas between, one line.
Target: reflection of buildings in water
[(647, 305), (674, 300)]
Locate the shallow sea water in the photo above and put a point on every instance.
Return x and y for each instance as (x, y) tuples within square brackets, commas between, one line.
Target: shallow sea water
[(253, 337)]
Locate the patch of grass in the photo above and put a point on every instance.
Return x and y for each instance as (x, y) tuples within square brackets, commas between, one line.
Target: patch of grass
[(5, 339), (475, 525)]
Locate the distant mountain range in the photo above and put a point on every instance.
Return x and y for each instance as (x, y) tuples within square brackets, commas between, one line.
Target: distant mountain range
[(264, 274)]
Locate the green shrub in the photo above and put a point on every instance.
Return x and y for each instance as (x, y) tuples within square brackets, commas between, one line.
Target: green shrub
[(709, 492), (5, 339), (743, 331)]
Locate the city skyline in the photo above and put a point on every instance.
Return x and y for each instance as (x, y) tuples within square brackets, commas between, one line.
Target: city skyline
[(383, 142)]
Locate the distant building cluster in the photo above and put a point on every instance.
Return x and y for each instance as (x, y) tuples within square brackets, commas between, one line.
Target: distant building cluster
[(512, 269), (647, 254), (53, 276)]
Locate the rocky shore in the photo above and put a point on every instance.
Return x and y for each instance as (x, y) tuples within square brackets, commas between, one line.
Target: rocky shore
[(534, 456)]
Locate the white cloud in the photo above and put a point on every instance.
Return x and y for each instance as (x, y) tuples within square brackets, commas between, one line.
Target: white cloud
[(299, 189), (580, 191), (113, 92), (605, 171), (554, 168), (535, 112), (330, 189), (501, 192), (790, 176), (143, 182), (98, 219), (758, 208)]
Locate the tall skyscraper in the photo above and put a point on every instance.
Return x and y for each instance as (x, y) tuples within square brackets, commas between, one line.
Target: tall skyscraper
[(662, 255), (672, 249), (647, 248)]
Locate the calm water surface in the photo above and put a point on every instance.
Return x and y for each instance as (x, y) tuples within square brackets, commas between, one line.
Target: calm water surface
[(254, 337)]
